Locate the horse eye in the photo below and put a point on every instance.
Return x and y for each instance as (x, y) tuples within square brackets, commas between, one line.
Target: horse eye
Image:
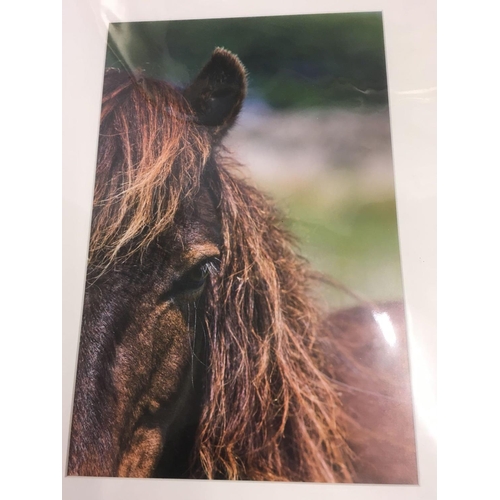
[(190, 282), (197, 276)]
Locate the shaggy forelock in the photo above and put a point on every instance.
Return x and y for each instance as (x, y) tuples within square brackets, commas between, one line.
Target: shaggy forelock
[(150, 161)]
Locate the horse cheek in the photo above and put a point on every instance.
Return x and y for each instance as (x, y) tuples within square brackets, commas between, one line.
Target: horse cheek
[(144, 451), (166, 344)]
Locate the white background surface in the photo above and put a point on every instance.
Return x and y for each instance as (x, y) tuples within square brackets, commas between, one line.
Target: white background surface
[(409, 29), (30, 250)]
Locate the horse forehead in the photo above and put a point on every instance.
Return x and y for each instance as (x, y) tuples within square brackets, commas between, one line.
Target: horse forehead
[(200, 229)]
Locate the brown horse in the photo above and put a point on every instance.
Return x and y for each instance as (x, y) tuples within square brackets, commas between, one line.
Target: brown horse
[(202, 352)]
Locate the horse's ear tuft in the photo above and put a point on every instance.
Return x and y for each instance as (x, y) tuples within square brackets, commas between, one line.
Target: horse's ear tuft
[(216, 95)]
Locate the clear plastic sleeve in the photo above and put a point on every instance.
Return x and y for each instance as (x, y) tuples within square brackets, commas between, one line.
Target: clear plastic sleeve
[(249, 241)]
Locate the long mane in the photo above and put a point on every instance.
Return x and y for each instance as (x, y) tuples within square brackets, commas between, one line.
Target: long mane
[(269, 412)]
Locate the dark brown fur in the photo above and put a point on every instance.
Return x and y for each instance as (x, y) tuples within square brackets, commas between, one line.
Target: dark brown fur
[(243, 378)]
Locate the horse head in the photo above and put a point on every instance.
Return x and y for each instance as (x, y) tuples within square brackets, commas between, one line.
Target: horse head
[(155, 245)]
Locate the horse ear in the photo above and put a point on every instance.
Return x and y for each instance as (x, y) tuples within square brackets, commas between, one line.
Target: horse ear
[(216, 95)]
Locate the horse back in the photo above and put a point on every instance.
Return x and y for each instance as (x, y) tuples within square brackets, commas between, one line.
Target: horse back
[(367, 355)]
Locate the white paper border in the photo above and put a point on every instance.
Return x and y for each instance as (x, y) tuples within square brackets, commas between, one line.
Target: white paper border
[(410, 31)]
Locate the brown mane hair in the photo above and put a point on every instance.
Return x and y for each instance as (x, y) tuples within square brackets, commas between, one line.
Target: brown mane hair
[(269, 412), (150, 161)]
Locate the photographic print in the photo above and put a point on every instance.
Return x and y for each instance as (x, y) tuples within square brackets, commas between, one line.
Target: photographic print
[(243, 315)]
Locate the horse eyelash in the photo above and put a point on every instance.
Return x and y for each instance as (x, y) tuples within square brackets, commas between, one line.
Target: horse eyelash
[(210, 265)]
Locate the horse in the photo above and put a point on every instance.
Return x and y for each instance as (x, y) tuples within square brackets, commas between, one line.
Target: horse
[(203, 351)]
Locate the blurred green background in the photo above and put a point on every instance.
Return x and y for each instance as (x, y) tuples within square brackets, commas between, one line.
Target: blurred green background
[(292, 61), (314, 131)]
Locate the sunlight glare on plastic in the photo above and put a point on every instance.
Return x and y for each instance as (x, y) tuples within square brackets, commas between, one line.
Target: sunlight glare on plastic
[(384, 322)]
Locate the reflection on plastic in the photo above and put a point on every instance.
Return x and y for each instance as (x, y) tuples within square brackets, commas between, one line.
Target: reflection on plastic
[(384, 322)]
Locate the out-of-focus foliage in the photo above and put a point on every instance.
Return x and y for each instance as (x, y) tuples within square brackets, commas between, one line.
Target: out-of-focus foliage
[(292, 61), (356, 241)]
